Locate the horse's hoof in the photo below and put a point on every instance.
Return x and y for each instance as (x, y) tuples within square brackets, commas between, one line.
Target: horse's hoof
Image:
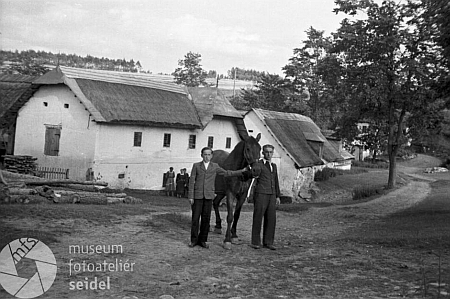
[(227, 245), (236, 241), (218, 231)]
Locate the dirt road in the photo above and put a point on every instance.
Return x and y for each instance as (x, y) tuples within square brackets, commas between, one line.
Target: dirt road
[(339, 251)]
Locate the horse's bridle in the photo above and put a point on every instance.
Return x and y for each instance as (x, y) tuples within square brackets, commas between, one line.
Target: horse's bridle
[(247, 159)]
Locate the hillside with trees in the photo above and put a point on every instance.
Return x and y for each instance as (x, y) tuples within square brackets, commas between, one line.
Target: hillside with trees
[(33, 62)]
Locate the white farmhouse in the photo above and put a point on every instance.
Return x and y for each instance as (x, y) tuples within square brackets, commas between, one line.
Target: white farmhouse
[(121, 128)]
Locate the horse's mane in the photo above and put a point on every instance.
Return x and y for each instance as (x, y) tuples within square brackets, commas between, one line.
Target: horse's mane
[(236, 159)]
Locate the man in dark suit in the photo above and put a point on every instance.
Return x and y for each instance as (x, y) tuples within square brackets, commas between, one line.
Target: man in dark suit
[(267, 197), (201, 194)]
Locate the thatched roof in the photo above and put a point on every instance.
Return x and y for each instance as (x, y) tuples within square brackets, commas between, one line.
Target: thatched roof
[(210, 102), (14, 91), (133, 79), (296, 134), (127, 98)]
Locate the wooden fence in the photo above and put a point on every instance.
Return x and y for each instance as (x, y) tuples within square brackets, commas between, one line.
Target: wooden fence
[(53, 173)]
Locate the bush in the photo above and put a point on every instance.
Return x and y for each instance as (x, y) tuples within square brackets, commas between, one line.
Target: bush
[(446, 163), (327, 173), (366, 164), (365, 191), (405, 151)]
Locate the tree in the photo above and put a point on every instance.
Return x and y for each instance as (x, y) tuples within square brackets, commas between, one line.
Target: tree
[(190, 72), (212, 74), (315, 71), (435, 18), (272, 92), (389, 64), (27, 68)]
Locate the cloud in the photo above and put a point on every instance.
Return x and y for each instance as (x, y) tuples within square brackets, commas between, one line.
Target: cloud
[(207, 35), (156, 33)]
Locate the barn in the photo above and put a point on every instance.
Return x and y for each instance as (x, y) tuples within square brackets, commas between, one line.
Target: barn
[(300, 148)]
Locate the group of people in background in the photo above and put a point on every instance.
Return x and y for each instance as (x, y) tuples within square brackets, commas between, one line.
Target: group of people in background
[(176, 185)]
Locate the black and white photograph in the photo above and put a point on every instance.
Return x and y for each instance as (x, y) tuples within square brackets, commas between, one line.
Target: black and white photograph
[(194, 149)]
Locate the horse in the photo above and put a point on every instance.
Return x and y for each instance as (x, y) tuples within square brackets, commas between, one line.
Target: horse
[(245, 153)]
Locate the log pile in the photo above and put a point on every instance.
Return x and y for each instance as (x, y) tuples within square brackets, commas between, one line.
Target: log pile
[(21, 164), (26, 189)]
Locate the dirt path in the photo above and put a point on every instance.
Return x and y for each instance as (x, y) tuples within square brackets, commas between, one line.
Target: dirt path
[(314, 258), (399, 199)]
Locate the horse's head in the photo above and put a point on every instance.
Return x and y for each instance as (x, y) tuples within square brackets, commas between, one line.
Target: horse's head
[(252, 149)]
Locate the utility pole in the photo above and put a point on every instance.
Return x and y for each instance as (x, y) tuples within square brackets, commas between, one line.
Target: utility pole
[(234, 84)]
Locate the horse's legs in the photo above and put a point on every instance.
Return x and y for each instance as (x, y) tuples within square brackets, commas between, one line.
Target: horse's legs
[(237, 212), (216, 204), (227, 241)]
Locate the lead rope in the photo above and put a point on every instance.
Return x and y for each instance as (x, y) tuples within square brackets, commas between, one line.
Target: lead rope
[(250, 187)]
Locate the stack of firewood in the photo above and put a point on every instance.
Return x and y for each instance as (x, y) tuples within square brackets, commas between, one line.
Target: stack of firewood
[(28, 189), (20, 164)]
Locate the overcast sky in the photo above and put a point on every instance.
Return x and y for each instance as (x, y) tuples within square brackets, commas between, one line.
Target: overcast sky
[(250, 34)]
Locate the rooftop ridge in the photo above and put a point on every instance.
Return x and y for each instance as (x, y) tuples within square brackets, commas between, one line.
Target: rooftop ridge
[(143, 80), (281, 115)]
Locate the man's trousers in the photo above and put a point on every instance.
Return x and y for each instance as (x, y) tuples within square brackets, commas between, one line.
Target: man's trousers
[(201, 209), (264, 208)]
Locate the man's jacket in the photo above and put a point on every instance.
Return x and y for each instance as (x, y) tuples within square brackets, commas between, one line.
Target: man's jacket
[(267, 181), (201, 183)]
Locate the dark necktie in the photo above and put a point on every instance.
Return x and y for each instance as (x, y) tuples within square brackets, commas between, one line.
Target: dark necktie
[(268, 165)]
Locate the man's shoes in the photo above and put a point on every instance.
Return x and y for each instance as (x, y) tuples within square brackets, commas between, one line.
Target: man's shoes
[(192, 244), (255, 246), (203, 244), (271, 247)]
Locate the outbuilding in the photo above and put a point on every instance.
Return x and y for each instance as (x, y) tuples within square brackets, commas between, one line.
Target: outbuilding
[(300, 148)]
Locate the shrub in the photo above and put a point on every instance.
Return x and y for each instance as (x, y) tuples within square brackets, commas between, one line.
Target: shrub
[(366, 164), (327, 173), (365, 191), (446, 163), (405, 151)]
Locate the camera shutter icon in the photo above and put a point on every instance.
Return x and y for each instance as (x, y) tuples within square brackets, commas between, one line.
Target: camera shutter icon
[(40, 254)]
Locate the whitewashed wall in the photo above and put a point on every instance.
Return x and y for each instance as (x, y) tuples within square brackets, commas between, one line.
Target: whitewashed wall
[(286, 169), (78, 132), (292, 180), (108, 149), (122, 165)]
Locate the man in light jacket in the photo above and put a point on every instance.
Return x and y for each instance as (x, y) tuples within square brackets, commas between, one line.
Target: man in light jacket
[(201, 194)]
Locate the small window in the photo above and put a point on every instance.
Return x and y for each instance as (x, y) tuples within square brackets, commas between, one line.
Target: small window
[(66, 106), (228, 142), (137, 139), (250, 131), (210, 141), (192, 141), (317, 147), (166, 142), (45, 104), (52, 136)]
